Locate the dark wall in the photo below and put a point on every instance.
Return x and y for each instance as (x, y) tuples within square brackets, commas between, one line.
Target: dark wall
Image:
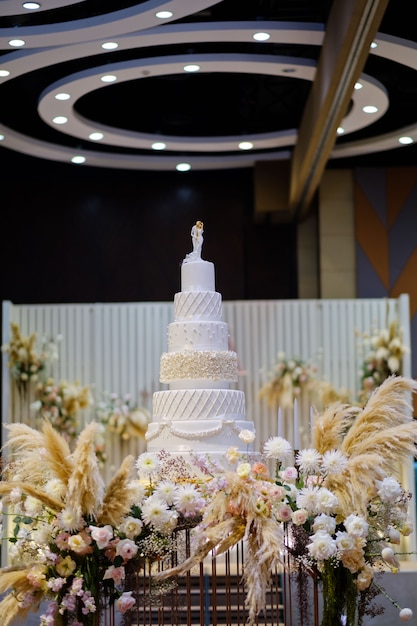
[(79, 234)]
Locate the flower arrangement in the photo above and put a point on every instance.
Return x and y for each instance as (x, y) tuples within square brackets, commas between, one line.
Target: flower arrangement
[(336, 511), (60, 403), (290, 377), (383, 356), (27, 361), (123, 417)]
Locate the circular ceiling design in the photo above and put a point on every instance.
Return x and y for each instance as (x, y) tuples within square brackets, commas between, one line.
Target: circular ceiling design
[(72, 75)]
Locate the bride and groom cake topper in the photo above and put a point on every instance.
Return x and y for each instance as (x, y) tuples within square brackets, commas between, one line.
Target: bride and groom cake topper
[(197, 240)]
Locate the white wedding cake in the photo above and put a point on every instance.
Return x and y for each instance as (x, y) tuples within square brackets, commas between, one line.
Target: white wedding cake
[(199, 413)]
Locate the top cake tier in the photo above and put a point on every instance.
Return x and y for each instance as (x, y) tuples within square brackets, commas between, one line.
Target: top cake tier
[(197, 275)]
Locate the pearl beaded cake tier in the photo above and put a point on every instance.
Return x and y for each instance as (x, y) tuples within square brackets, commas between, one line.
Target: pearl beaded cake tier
[(196, 435), (188, 365), (197, 305), (198, 336), (198, 404)]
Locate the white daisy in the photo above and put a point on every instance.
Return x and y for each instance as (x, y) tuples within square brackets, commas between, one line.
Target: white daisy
[(155, 512), (308, 461), (69, 519), (187, 499), (333, 462), (147, 464), (277, 448), (307, 499), (166, 491)]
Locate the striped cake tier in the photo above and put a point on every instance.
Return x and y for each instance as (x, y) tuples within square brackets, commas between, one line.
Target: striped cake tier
[(198, 305), (198, 404)]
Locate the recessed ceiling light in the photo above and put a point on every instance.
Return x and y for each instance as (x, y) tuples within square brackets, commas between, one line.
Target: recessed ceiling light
[(78, 159), (109, 45), (60, 119), (191, 68), (358, 85), (261, 36), (163, 15), (374, 44), (370, 109), (1, 137), (340, 130), (246, 145), (62, 96), (158, 145), (405, 140), (108, 78), (183, 167), (96, 136), (17, 43), (4, 73), (31, 6)]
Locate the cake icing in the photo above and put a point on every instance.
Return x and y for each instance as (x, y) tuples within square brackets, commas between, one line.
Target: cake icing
[(199, 412)]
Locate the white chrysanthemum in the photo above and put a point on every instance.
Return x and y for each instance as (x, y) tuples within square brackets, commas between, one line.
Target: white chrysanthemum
[(32, 506), (69, 519), (333, 462), (147, 464), (356, 526), (55, 488), (322, 546), (277, 448), (389, 489), (326, 501), (308, 461), (307, 499), (187, 499), (166, 491), (324, 522), (155, 512), (138, 491)]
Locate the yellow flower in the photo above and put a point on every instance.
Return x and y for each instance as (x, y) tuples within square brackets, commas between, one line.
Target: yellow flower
[(66, 566)]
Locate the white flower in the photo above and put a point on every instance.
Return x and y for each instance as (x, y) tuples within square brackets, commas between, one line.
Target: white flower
[(307, 499), (131, 527), (356, 526), (247, 436), (155, 512), (324, 522), (308, 461), (56, 488), (299, 517), (406, 615), (147, 464), (69, 519), (389, 489), (333, 462), (322, 546), (394, 535), (243, 470), (166, 491), (277, 448), (326, 501), (344, 541), (187, 499), (394, 364)]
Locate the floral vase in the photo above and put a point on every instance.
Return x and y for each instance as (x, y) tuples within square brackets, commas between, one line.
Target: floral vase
[(340, 596)]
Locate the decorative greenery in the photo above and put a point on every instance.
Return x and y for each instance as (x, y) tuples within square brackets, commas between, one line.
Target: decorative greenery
[(383, 356)]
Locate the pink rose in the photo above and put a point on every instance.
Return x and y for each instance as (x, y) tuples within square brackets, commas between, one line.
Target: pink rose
[(115, 573), (125, 602), (102, 535), (127, 549)]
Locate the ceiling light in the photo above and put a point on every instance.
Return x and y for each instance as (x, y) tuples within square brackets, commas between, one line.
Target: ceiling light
[(109, 45), (340, 130), (261, 36), (163, 15), (1, 137), (374, 44), (108, 78), (16, 43), (246, 145), (158, 145), (4, 73), (370, 109), (78, 159), (31, 6), (60, 119), (62, 96), (96, 136), (183, 167), (358, 86), (191, 68), (405, 140)]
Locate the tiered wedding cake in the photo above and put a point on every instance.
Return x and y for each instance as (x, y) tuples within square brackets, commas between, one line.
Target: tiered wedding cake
[(199, 412)]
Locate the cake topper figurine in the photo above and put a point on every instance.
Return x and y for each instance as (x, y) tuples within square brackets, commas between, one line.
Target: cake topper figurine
[(197, 239)]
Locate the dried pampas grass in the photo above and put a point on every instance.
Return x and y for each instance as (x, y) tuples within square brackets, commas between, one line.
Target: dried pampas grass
[(10, 607), (119, 496)]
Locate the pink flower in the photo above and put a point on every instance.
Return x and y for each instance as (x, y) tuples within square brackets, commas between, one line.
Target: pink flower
[(289, 474), (284, 512), (127, 549), (125, 602), (102, 535), (115, 573)]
